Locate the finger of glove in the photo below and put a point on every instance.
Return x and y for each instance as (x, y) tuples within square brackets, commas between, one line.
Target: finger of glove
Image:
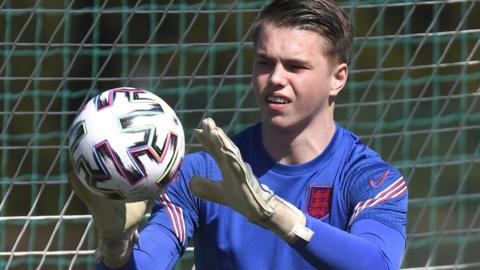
[(230, 156), (202, 138), (218, 137), (211, 144), (80, 189), (218, 143), (208, 189), (94, 202), (134, 212), (224, 151), (110, 216), (206, 137)]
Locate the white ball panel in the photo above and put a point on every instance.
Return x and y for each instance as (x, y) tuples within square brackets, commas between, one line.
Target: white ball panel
[(104, 126)]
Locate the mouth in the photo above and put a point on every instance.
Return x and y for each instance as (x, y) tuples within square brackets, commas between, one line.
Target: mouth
[(277, 100)]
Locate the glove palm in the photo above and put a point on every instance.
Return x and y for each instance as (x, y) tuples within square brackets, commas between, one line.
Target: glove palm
[(115, 221), (241, 190)]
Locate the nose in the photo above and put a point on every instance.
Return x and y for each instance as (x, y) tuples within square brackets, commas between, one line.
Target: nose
[(278, 75)]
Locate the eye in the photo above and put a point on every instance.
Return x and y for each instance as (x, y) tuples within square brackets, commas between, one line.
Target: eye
[(264, 62), (296, 67)]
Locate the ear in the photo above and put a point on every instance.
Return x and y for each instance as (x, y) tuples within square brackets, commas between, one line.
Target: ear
[(339, 78)]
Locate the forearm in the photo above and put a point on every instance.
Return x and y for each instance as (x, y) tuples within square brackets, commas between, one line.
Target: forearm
[(370, 245)]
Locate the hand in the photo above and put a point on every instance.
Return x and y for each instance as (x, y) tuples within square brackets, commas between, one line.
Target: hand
[(241, 190), (115, 222)]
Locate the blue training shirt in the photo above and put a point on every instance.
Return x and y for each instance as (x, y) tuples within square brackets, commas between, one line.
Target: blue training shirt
[(355, 202)]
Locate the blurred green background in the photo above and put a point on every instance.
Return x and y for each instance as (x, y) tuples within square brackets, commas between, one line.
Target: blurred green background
[(412, 95)]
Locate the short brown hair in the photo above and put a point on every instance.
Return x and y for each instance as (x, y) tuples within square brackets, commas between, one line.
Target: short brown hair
[(320, 16)]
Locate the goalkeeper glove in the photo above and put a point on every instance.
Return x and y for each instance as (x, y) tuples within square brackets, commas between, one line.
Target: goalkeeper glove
[(241, 190), (115, 222)]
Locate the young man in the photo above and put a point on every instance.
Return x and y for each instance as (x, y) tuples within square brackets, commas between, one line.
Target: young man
[(295, 191)]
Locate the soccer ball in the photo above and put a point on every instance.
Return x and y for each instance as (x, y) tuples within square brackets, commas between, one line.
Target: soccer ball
[(126, 144)]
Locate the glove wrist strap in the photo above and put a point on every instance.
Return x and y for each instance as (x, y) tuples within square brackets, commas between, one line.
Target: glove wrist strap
[(288, 222), (118, 248), (299, 231)]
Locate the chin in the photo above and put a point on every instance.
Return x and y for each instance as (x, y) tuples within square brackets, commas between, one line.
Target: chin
[(289, 124), (279, 122)]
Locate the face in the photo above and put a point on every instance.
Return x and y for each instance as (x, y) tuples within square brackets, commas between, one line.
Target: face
[(292, 79)]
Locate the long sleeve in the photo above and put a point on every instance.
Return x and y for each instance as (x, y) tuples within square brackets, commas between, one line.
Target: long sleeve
[(374, 237), (369, 245)]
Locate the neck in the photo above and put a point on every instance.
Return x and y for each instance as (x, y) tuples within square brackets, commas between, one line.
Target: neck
[(300, 144)]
